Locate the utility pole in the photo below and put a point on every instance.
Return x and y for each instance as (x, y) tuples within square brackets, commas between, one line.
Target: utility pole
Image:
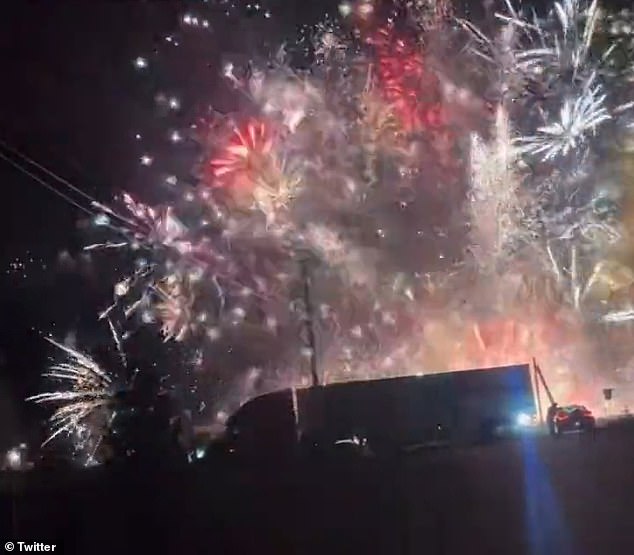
[(309, 320), (538, 395), (538, 371)]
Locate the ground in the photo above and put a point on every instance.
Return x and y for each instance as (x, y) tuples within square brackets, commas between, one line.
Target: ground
[(533, 496)]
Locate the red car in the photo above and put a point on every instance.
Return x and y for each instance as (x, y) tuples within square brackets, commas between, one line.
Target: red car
[(573, 418)]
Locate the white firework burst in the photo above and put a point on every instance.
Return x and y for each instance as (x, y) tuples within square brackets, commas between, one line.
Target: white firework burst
[(563, 40), (578, 120), (84, 399)]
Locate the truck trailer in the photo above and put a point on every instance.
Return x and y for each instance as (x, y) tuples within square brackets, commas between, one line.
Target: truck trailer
[(452, 408)]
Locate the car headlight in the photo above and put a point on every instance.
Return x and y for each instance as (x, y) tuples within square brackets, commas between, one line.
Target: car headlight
[(523, 419)]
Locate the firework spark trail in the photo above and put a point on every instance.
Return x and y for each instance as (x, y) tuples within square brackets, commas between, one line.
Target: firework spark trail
[(495, 207), (619, 316), (118, 341), (86, 389), (561, 46)]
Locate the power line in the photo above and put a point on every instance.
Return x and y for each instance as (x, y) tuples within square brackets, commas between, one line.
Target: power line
[(92, 201), (39, 180), (47, 171)]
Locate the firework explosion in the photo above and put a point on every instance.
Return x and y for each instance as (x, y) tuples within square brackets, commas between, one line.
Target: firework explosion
[(452, 186), (84, 400)]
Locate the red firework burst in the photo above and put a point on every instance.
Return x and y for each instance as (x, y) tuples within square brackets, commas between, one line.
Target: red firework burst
[(406, 82), (244, 159)]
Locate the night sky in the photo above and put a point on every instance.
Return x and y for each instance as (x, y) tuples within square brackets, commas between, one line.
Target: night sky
[(69, 103), (73, 101)]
